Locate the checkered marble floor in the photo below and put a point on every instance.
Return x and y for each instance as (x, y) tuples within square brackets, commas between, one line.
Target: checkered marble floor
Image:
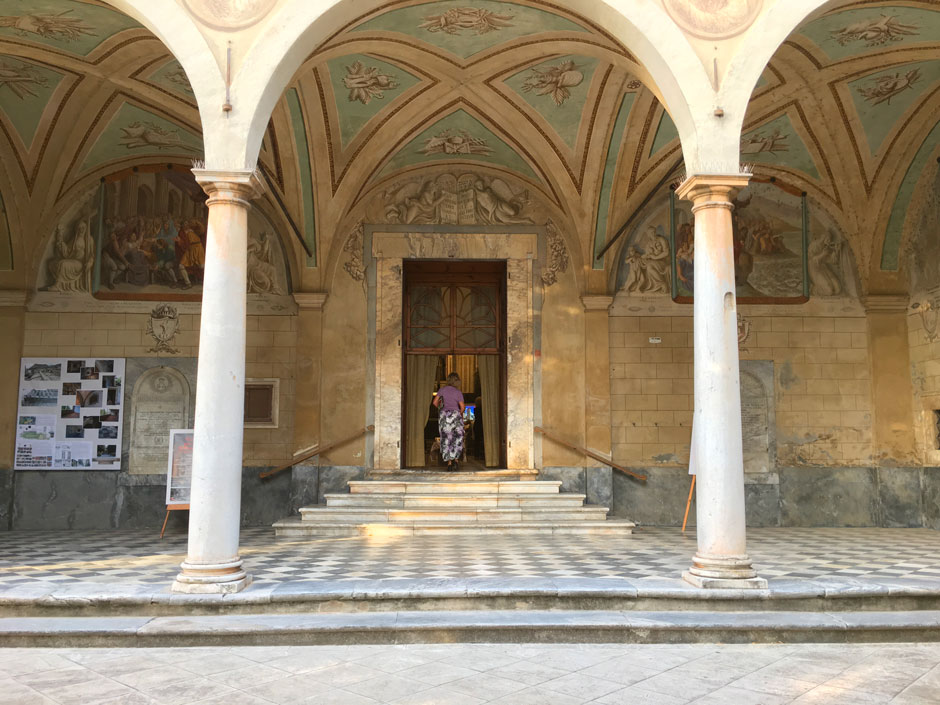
[(141, 558)]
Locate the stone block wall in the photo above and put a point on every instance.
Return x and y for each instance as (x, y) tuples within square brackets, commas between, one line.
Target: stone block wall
[(925, 378), (822, 384)]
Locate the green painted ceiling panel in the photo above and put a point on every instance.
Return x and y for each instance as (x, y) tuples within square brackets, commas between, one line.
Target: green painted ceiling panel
[(25, 90), (558, 90), (665, 133), (306, 174), (891, 248), (465, 30), (137, 132), (172, 77), (459, 136), (364, 86), (72, 26), (776, 143), (855, 32), (882, 97), (610, 167)]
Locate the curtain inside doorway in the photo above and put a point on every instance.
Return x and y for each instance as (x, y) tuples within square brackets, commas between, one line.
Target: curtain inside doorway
[(489, 383), (420, 371)]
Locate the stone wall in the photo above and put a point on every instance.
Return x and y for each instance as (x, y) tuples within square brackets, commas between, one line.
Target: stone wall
[(821, 384)]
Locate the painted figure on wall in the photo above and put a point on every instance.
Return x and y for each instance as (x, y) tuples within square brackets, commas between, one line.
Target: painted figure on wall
[(150, 234)]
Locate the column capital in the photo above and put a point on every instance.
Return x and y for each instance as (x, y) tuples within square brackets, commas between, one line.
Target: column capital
[(716, 190), (238, 186), (886, 303), (310, 300), (12, 298), (594, 302)]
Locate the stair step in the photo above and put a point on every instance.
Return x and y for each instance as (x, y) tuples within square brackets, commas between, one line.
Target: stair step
[(440, 474), (454, 500), (296, 528), (454, 487), (355, 514)]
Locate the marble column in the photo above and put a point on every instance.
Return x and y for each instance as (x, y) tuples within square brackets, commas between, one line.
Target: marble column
[(721, 560), (212, 562)]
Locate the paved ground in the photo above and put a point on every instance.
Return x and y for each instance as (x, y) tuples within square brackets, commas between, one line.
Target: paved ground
[(904, 674), (139, 558)]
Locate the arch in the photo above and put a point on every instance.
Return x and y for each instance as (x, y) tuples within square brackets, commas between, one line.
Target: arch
[(297, 27), (144, 200), (173, 26)]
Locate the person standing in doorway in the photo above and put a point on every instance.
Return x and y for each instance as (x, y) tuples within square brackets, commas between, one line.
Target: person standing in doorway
[(449, 402)]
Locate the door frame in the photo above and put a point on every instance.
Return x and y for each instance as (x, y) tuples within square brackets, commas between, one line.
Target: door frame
[(390, 247), (455, 273)]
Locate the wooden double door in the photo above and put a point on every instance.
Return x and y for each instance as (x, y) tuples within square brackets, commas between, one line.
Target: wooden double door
[(454, 320)]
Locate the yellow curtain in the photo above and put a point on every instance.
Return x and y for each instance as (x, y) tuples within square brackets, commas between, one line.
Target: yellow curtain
[(489, 381), (420, 370), (466, 367)]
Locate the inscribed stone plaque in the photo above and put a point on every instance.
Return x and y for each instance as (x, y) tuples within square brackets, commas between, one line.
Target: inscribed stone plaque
[(757, 419), (160, 403)]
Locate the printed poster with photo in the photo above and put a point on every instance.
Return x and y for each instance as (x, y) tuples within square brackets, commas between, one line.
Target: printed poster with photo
[(70, 414), (179, 471)]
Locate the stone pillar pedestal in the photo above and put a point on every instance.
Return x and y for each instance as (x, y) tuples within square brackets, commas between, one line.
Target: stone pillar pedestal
[(212, 562), (721, 560)]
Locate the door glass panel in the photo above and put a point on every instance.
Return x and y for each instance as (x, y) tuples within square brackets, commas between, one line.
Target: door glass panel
[(476, 316), (429, 317)]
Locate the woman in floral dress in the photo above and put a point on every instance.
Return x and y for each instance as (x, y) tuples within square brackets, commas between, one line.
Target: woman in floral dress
[(449, 401)]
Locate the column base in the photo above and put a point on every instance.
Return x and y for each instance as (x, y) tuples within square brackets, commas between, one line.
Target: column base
[(723, 572), (211, 578)]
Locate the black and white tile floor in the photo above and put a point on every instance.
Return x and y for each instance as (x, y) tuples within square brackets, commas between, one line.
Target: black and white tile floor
[(141, 558)]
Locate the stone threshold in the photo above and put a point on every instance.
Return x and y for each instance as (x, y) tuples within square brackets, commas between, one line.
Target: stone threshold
[(509, 626)]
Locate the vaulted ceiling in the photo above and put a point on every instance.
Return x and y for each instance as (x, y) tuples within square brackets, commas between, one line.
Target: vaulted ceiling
[(846, 110)]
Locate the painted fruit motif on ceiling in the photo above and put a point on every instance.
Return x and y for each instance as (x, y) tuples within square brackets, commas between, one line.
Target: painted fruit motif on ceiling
[(468, 28), (25, 90), (67, 25)]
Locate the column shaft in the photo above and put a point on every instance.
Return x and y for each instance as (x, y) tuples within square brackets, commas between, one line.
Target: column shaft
[(212, 562), (721, 559)]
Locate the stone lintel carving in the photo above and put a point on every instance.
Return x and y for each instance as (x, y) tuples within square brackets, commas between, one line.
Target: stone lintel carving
[(310, 300), (886, 303), (394, 245), (557, 255), (162, 327), (593, 302), (354, 265), (12, 297)]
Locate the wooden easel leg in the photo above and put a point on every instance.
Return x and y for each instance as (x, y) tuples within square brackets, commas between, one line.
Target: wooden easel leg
[(688, 504), (167, 518)]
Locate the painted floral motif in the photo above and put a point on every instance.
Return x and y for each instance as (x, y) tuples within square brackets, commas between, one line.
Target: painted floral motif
[(458, 19), (875, 31), (48, 25), (179, 77), (21, 80), (761, 142), (455, 142), (554, 81), (139, 135), (365, 83), (881, 89)]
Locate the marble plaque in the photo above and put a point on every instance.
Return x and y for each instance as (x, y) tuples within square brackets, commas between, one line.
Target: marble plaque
[(757, 419), (160, 402)]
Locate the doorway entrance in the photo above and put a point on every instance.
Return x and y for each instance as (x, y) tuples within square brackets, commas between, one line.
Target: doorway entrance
[(454, 320)]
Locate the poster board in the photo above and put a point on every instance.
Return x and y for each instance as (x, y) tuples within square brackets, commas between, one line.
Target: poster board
[(179, 471), (70, 413)]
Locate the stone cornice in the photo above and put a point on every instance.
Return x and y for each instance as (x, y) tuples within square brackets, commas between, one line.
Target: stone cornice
[(310, 300), (593, 302), (886, 303), (12, 298)]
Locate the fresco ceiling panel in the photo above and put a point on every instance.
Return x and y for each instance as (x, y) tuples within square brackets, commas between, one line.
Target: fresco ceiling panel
[(67, 25), (25, 91)]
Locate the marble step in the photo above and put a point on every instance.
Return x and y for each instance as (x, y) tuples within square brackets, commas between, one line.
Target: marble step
[(493, 626), (454, 487), (356, 515), (454, 500), (296, 528), (438, 474)]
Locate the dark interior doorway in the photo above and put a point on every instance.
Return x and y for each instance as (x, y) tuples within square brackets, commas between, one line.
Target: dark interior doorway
[(454, 320)]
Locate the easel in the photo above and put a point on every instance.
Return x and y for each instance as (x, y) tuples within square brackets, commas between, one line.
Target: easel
[(688, 504), (171, 508)]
